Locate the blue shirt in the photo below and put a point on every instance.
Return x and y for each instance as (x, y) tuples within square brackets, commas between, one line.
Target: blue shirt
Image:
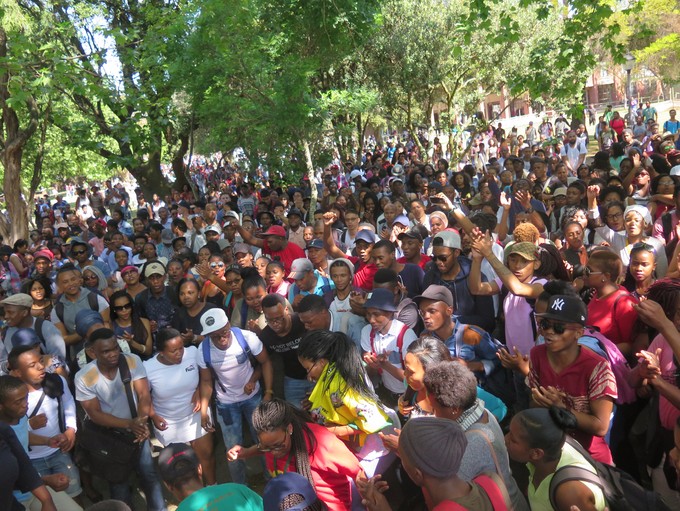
[(323, 285)]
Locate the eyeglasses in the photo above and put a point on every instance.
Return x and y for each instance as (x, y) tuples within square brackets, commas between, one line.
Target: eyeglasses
[(216, 265), (78, 252), (588, 272), (276, 447), (122, 307), (615, 216), (558, 328), (311, 367)]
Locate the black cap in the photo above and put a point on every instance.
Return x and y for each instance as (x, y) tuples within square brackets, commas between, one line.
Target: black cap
[(176, 461), (566, 309)]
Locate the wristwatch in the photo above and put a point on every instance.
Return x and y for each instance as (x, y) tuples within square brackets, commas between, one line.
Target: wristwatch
[(529, 210)]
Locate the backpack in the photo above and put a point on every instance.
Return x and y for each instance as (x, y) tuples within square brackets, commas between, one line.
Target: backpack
[(205, 347), (619, 365), (92, 302), (53, 386), (620, 490), (488, 487), (37, 326)]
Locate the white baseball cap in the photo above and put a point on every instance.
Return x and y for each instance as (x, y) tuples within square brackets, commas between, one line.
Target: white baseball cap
[(213, 320)]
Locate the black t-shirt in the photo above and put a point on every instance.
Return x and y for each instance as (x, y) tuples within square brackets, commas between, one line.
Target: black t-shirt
[(17, 471), (182, 321), (287, 347)]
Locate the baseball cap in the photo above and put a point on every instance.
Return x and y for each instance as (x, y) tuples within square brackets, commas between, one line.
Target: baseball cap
[(300, 267), (240, 248), (19, 299), (675, 171), (315, 243), (560, 191), (45, 254), (166, 236), (382, 299), (275, 230), (176, 461), (61, 225), (395, 179), (566, 309), (101, 222), (183, 204), (403, 220), (526, 249), (213, 320), (294, 211), (222, 243), (231, 214), (154, 269), (666, 135), (290, 484), (356, 173), (365, 235), (437, 294), (447, 239), (413, 233), (211, 228), (398, 170), (25, 337), (128, 269)]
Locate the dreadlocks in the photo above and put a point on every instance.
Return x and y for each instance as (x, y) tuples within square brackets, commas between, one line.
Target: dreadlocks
[(277, 414)]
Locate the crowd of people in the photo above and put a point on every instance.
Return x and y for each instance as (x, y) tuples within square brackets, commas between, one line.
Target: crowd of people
[(427, 336)]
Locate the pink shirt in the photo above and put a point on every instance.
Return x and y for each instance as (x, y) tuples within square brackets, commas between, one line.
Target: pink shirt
[(668, 414)]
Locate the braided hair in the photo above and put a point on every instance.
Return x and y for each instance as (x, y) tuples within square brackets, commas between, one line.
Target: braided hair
[(343, 358), (277, 414)]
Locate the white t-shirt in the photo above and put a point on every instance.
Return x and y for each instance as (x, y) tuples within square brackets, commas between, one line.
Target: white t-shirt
[(91, 383), (340, 306), (232, 367), (387, 344), (172, 386), (573, 153), (50, 407)]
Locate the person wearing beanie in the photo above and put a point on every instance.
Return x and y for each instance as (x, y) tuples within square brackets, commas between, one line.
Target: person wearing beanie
[(431, 451)]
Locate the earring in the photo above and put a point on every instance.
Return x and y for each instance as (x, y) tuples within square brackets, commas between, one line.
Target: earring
[(603, 280)]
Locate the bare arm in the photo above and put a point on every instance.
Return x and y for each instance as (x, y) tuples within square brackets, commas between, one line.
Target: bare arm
[(267, 373), (475, 284), (69, 339), (328, 240), (247, 236)]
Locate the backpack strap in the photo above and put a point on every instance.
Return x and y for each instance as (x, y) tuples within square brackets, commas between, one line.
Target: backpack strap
[(667, 224), (59, 310), (492, 491), (38, 327), (241, 341), (244, 313), (126, 377), (573, 473), (205, 347), (37, 406), (92, 301), (400, 343)]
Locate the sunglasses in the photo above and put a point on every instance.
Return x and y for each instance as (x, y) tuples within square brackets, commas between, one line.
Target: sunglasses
[(442, 258), (216, 265), (78, 252), (588, 272), (558, 328), (123, 307)]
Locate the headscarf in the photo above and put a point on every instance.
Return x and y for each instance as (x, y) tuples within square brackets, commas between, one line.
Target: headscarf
[(442, 216), (640, 210), (101, 279)]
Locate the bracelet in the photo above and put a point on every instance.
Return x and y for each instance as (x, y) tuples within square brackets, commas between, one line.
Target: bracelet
[(270, 391)]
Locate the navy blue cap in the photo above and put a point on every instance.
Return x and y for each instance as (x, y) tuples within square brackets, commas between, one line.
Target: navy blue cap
[(382, 299), (315, 243), (25, 337)]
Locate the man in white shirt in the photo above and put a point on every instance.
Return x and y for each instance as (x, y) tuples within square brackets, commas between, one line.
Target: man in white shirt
[(384, 343), (224, 366), (573, 153)]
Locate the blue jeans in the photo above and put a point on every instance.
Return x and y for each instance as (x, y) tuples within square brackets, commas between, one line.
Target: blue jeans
[(60, 463), (151, 483), (296, 390), (230, 416)]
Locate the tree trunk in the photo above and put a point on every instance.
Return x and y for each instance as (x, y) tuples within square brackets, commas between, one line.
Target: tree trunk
[(181, 170), (311, 176), (17, 209)]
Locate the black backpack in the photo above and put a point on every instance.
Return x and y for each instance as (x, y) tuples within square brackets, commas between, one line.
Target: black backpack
[(620, 490), (92, 302)]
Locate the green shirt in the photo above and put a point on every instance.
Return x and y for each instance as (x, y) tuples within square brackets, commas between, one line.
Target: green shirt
[(222, 497)]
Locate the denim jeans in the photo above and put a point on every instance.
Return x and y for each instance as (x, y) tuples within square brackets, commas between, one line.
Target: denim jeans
[(151, 483), (296, 390), (230, 416), (60, 463)]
